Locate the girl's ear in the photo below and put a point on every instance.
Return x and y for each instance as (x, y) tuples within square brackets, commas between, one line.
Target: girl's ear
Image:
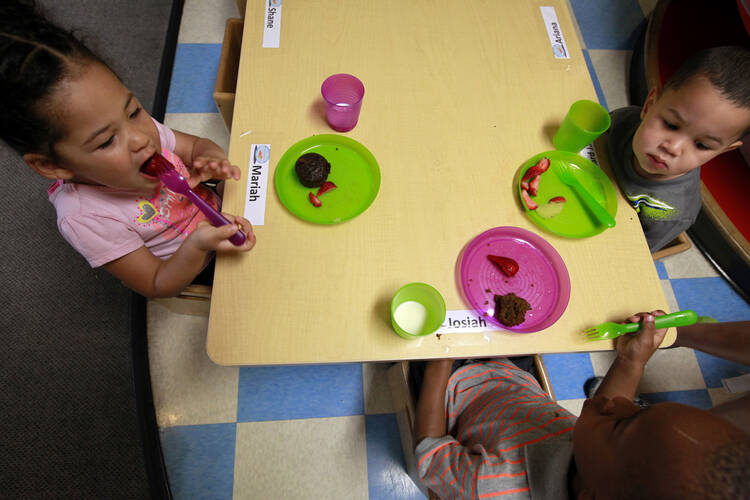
[(651, 98), (46, 167)]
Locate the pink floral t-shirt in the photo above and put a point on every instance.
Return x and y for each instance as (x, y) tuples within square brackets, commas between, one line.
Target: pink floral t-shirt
[(104, 224)]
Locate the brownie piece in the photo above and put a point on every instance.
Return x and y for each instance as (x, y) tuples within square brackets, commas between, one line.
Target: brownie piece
[(510, 309), (312, 169)]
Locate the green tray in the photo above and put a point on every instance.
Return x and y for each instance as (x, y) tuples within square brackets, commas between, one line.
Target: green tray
[(354, 170), (575, 220)]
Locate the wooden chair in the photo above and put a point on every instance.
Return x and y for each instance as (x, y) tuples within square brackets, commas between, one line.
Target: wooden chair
[(679, 244), (226, 75), (194, 300), (404, 397)]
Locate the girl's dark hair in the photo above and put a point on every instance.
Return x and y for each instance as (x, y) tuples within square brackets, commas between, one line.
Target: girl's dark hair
[(36, 56), (727, 68)]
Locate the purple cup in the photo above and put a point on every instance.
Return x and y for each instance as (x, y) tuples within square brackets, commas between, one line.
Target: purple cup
[(343, 96)]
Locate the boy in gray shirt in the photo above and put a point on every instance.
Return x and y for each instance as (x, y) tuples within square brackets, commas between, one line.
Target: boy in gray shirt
[(656, 151)]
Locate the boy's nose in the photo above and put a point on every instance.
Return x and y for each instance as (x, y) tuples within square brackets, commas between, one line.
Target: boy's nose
[(672, 146)]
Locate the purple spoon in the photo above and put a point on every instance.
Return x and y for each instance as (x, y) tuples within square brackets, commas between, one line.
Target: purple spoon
[(159, 166)]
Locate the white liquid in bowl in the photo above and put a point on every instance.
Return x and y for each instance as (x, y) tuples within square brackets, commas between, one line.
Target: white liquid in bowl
[(411, 316)]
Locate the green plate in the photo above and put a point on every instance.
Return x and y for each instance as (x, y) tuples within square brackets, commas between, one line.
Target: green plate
[(575, 220), (353, 169)]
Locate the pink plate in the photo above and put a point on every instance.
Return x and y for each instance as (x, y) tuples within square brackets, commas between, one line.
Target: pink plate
[(542, 278)]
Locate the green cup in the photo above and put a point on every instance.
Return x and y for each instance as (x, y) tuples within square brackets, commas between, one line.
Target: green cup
[(586, 120), (417, 309)]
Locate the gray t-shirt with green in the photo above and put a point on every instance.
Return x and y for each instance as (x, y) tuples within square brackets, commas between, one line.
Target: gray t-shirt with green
[(665, 208)]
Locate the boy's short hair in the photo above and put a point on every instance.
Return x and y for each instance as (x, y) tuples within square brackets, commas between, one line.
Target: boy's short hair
[(724, 475), (727, 68)]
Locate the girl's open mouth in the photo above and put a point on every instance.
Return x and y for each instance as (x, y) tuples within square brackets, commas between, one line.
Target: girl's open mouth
[(145, 171)]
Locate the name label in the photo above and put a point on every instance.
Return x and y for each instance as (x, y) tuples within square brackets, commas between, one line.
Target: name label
[(257, 183), (554, 32), (272, 24), (465, 321)]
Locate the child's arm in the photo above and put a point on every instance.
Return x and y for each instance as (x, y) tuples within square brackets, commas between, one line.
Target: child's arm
[(726, 340), (205, 159), (430, 418), (151, 276), (633, 351)]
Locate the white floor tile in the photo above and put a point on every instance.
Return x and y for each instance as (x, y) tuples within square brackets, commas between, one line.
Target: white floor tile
[(189, 389), (572, 405), (612, 71), (666, 286), (311, 458), (720, 395), (377, 393), (208, 125), (689, 264), (203, 21), (667, 370)]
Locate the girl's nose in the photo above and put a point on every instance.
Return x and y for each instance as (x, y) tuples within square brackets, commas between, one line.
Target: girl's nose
[(138, 139)]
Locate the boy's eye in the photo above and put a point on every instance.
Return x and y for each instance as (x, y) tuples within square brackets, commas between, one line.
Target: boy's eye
[(701, 146), (135, 113), (106, 143), (669, 125)]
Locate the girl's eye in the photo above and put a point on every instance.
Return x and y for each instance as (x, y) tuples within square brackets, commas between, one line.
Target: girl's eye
[(135, 113), (106, 143), (670, 126), (701, 146)]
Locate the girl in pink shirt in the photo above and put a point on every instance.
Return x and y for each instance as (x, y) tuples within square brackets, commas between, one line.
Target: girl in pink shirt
[(75, 122)]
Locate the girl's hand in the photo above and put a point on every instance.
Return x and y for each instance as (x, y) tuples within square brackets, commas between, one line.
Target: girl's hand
[(209, 238), (638, 347), (205, 168)]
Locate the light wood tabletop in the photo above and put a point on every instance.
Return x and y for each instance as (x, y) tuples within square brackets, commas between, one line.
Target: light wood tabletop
[(458, 95)]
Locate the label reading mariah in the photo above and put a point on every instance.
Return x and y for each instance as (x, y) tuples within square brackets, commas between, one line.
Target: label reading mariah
[(257, 183)]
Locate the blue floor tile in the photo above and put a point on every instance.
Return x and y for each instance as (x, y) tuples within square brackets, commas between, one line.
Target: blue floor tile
[(661, 270), (595, 79), (193, 77), (306, 391), (714, 369), (608, 25), (710, 297), (200, 460), (568, 372), (698, 398), (386, 470)]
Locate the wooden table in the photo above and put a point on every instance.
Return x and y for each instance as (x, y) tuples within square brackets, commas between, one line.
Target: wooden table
[(458, 96)]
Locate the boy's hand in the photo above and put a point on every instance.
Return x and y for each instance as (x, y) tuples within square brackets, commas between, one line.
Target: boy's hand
[(209, 238), (205, 168), (638, 347)]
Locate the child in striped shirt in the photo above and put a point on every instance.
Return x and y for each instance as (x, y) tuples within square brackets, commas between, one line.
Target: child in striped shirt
[(488, 430)]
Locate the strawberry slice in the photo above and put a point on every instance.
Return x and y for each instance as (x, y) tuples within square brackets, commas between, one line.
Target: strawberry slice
[(508, 266), (534, 185), (530, 204), (314, 200), (327, 186), (538, 169)]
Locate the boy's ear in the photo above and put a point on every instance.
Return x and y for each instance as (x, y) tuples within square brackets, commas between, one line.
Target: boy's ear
[(46, 167), (732, 146), (651, 98)]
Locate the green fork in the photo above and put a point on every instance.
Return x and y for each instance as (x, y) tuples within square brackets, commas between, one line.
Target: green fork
[(611, 330), (566, 176)]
